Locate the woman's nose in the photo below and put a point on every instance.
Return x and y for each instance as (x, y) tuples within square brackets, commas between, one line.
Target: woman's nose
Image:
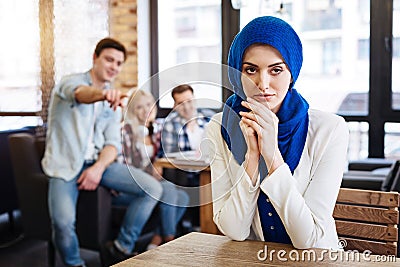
[(264, 81)]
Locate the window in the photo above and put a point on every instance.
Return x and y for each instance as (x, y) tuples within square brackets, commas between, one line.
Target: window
[(24, 70), (396, 53), (358, 140), (322, 15), (20, 62), (392, 140), (188, 32), (363, 49), (331, 56), (330, 49), (74, 46)]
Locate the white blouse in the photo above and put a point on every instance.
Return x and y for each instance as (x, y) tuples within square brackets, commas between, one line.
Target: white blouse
[(304, 201)]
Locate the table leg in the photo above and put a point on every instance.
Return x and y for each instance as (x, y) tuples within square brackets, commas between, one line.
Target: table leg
[(207, 224)]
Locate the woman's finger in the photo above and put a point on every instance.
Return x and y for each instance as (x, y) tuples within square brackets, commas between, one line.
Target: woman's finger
[(256, 118), (245, 127), (246, 105), (258, 109), (254, 125), (256, 104), (249, 115)]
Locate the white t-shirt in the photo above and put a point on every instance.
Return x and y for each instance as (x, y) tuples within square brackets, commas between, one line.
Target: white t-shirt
[(195, 136), (91, 151)]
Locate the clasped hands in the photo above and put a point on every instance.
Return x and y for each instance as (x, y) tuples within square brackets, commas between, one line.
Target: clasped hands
[(260, 129)]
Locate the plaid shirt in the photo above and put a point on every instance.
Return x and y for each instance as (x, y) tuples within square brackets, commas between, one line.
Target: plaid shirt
[(174, 137), (131, 154)]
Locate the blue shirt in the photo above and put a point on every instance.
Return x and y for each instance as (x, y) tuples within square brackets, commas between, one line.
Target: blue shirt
[(69, 126), (272, 226)]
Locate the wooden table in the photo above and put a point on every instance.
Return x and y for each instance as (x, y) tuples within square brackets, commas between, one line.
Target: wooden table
[(200, 249), (206, 213)]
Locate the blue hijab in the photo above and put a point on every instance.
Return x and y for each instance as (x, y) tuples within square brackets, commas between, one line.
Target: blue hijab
[(293, 114)]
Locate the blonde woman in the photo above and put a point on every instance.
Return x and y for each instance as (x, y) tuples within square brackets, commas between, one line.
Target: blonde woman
[(140, 146)]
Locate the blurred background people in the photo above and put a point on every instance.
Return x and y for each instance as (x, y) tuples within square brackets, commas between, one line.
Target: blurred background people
[(140, 147), (183, 130)]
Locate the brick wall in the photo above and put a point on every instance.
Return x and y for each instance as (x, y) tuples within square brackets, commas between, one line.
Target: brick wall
[(123, 27)]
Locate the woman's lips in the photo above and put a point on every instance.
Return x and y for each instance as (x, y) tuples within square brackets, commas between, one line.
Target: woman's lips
[(263, 97)]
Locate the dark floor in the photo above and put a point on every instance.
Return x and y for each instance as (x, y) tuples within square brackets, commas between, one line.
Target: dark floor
[(18, 251)]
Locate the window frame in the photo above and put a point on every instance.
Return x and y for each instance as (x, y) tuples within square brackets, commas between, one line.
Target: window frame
[(230, 26)]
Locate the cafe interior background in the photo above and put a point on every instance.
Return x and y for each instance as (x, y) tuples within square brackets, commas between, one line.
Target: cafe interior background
[(351, 55)]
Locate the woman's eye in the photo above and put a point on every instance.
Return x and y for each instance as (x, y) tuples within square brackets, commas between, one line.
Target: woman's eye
[(251, 70), (276, 70)]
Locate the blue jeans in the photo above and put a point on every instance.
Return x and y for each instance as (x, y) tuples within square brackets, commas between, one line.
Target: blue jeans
[(173, 205), (143, 189)]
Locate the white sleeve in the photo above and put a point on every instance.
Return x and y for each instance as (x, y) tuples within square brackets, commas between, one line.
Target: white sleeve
[(234, 196), (307, 216)]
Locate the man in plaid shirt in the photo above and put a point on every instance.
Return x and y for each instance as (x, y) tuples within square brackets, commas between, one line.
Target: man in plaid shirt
[(183, 128)]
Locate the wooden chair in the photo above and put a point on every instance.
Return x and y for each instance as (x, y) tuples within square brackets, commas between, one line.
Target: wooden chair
[(367, 220)]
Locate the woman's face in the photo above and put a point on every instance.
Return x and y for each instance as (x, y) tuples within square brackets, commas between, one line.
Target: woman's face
[(144, 110), (265, 76)]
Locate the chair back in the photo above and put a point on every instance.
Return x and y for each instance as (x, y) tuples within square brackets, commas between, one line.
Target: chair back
[(8, 191), (368, 220), (93, 209), (392, 181)]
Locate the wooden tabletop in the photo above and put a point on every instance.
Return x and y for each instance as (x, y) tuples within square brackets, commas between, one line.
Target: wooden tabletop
[(175, 164), (200, 249)]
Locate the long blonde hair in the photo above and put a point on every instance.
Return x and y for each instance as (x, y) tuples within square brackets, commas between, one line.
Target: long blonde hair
[(133, 100)]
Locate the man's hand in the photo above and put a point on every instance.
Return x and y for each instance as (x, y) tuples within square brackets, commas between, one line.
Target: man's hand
[(90, 94), (90, 178), (114, 97)]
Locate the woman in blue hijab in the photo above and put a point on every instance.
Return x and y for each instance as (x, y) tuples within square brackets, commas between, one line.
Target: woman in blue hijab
[(277, 165)]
